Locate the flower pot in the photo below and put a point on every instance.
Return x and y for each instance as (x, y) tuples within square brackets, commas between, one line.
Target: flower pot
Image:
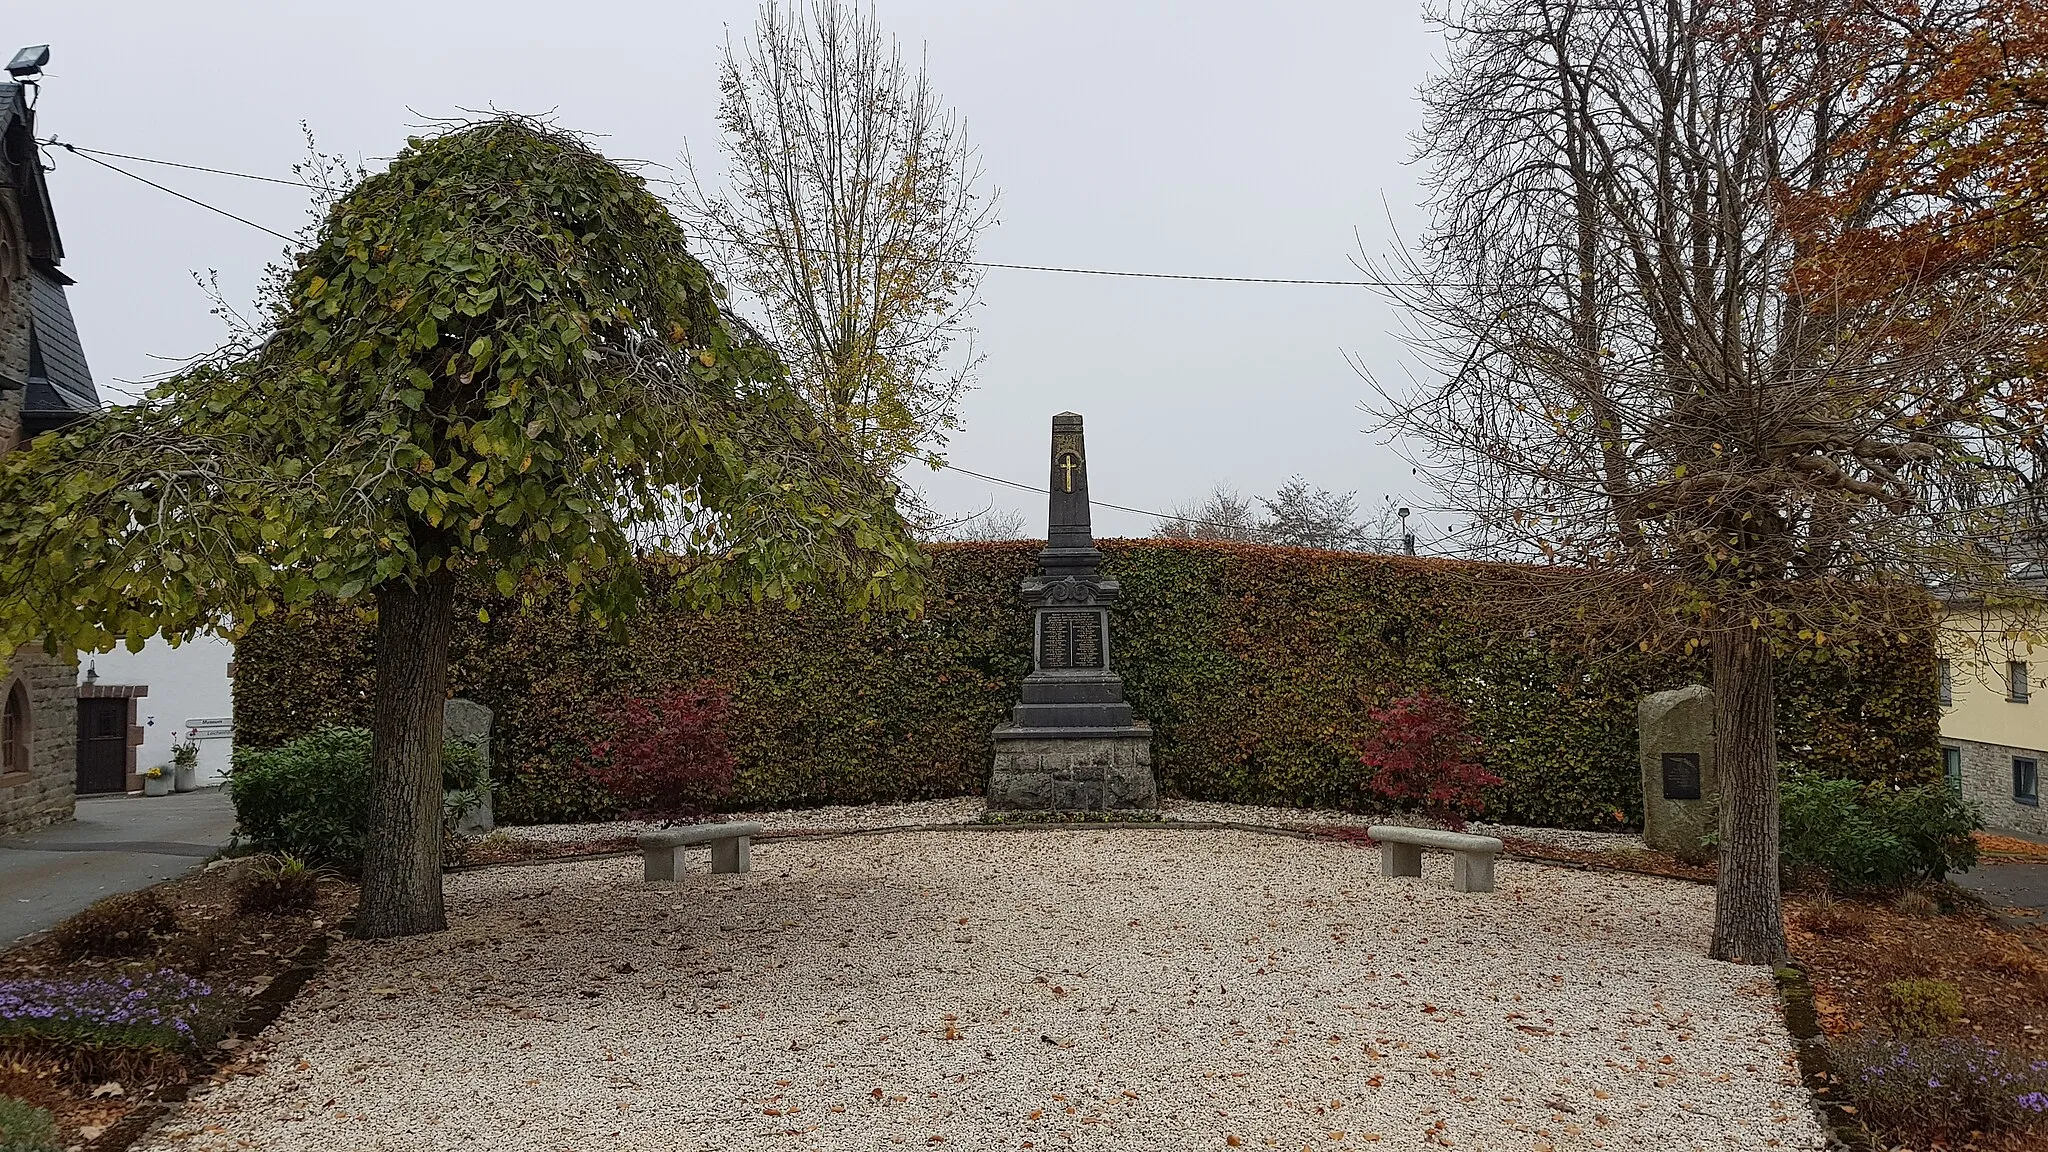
[(156, 785), (187, 778)]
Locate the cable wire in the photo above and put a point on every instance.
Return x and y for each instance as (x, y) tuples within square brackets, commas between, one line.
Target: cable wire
[(180, 195), (175, 164), (1097, 503), (93, 154)]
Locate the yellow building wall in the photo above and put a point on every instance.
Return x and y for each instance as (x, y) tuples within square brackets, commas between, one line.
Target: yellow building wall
[(1977, 644)]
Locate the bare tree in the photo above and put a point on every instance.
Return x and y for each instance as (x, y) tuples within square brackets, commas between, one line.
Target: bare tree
[(1221, 515), (850, 214), (991, 523), (1636, 382), (1295, 516)]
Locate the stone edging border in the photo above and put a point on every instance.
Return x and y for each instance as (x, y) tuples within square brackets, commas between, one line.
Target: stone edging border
[(1816, 1070), (1297, 833), (262, 1010)]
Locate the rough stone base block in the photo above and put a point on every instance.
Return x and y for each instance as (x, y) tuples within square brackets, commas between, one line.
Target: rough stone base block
[(1398, 859), (1471, 872), (1073, 772), (664, 865), (734, 855)]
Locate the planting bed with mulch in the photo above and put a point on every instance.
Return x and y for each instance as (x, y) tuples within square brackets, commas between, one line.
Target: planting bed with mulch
[(224, 960), (1852, 951)]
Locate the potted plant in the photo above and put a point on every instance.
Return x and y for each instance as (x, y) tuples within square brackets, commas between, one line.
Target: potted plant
[(185, 765), (156, 781)]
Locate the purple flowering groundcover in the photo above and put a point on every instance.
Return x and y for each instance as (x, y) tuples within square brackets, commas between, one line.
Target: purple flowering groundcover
[(1942, 1088), (158, 1009)]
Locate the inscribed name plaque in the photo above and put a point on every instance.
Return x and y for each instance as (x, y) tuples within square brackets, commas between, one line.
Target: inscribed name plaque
[(1069, 640), (1681, 775)]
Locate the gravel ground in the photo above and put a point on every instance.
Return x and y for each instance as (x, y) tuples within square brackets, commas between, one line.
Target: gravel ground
[(1030, 989), (968, 809)]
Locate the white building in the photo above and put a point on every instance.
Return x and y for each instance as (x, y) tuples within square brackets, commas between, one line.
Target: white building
[(191, 696)]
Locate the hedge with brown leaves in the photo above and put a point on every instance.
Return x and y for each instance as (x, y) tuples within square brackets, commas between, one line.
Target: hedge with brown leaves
[(1258, 668)]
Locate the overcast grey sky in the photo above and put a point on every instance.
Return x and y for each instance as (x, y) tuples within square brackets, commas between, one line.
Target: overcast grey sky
[(1189, 136)]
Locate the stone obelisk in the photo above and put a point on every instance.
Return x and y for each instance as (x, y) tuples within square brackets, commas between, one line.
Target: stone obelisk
[(1071, 744)]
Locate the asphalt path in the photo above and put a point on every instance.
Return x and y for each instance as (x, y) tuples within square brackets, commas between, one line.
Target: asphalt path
[(116, 844)]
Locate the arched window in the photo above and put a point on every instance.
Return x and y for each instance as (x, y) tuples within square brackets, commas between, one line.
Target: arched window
[(14, 732)]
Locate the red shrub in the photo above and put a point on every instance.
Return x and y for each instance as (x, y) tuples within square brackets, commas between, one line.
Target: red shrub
[(667, 755), (1424, 757)]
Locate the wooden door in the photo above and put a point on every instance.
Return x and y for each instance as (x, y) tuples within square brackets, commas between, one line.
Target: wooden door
[(102, 746)]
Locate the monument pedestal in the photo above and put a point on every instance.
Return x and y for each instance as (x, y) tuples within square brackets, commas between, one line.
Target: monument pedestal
[(1072, 744), (1073, 769)]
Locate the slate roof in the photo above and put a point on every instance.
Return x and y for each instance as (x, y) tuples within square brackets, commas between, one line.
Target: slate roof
[(59, 385)]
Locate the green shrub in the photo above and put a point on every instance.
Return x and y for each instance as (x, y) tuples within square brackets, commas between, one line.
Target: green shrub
[(310, 798), (1258, 668), (1921, 1007), (1867, 837), (26, 1128), (130, 924)]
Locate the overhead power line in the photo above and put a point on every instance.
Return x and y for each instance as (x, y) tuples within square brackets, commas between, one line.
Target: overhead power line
[(94, 154), (1176, 518), (84, 155), (82, 151)]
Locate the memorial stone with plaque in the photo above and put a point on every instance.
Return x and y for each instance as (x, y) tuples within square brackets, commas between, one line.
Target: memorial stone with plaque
[(1072, 744), (1680, 790)]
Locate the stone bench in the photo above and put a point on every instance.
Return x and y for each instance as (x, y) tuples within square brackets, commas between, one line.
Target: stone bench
[(731, 848), (1471, 856)]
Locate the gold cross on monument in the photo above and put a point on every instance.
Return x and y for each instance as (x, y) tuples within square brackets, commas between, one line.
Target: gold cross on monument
[(1068, 461)]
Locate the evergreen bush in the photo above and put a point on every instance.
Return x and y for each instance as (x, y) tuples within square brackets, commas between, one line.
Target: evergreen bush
[(309, 797), (1871, 837)]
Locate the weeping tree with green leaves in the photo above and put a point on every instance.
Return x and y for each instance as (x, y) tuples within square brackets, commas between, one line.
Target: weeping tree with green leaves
[(495, 361)]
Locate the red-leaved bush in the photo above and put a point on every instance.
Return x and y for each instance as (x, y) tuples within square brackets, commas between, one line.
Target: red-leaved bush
[(666, 756), (1424, 758)]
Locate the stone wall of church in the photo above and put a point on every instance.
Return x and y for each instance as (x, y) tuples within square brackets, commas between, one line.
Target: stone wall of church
[(44, 793), (14, 320)]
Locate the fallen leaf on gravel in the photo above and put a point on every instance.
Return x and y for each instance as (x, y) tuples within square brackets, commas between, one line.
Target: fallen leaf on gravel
[(110, 1088)]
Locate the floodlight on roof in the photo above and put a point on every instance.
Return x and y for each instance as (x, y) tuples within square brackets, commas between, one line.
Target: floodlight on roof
[(28, 63)]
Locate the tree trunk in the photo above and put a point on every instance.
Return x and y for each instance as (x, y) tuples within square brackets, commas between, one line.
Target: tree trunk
[(402, 851), (1749, 924)]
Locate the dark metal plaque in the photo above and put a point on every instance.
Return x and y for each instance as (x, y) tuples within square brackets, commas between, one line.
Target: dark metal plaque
[(1681, 775), (1070, 640)]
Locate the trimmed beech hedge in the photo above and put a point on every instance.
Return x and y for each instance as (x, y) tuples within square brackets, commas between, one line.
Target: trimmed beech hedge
[(1256, 666)]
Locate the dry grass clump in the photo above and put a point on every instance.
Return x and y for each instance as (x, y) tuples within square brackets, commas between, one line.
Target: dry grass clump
[(1917, 903), (1836, 920), (131, 924), (2012, 958)]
